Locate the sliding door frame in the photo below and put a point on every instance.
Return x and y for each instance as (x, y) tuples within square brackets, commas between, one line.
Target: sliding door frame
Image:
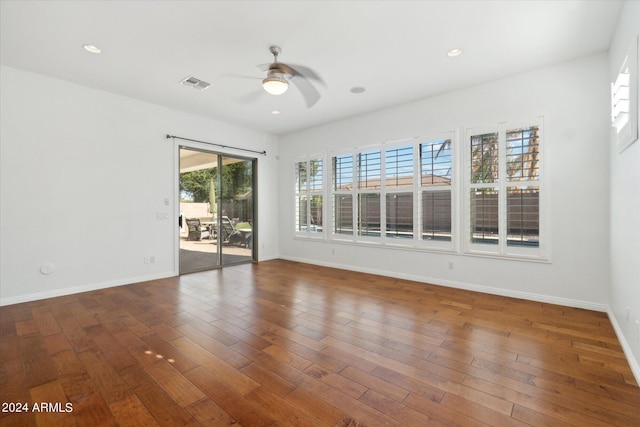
[(203, 147)]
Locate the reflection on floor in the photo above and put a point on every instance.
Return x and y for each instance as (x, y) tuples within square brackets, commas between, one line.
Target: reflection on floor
[(202, 255)]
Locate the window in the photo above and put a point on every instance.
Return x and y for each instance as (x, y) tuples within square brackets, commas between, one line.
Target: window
[(342, 195), (484, 188), (309, 197), (523, 199), (369, 184), (503, 208), (436, 165), (398, 179), (624, 99), (398, 194), (485, 196)]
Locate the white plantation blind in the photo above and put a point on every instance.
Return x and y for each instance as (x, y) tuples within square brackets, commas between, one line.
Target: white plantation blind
[(399, 215), (436, 215), (309, 197), (398, 194), (369, 168), (436, 162), (484, 158), (504, 189), (523, 149), (436, 166), (343, 172), (399, 166), (523, 216), (369, 214)]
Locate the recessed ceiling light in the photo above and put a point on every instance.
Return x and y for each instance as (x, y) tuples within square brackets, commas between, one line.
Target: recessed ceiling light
[(91, 48), (357, 89), (275, 112), (454, 52)]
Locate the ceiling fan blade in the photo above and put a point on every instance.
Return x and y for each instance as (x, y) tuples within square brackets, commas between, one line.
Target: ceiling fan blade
[(264, 67), (309, 93), (303, 71)]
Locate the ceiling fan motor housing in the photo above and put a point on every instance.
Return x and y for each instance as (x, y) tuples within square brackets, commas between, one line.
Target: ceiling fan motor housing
[(277, 73)]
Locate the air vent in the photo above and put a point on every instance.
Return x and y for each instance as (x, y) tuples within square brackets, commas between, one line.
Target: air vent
[(195, 83)]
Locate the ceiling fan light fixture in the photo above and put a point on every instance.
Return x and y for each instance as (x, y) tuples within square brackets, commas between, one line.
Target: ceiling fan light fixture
[(275, 85)]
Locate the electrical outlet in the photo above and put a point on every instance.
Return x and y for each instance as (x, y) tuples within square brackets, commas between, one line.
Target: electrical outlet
[(450, 265), (147, 260), (628, 312), (152, 259)]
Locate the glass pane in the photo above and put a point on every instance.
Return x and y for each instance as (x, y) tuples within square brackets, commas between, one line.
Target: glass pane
[(315, 195), (315, 207), (523, 216), (198, 210), (436, 215), (315, 175), (301, 176), (435, 163), (369, 214), (302, 206), (343, 173), (343, 214), (399, 166), (235, 228), (369, 170), (523, 150), (484, 158), (484, 216), (400, 215)]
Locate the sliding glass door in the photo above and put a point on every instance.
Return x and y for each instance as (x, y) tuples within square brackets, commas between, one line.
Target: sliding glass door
[(217, 210), (236, 210)]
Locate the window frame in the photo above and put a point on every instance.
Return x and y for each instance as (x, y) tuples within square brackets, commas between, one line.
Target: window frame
[(503, 249), (416, 189), (444, 246), (459, 189), (308, 192)]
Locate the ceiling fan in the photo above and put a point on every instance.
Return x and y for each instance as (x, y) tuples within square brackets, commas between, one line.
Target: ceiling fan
[(279, 75)]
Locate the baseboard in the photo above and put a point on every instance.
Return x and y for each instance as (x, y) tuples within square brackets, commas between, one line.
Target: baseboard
[(268, 258), (633, 362), (78, 289), (587, 305)]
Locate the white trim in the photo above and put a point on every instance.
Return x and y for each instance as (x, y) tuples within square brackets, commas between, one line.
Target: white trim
[(83, 288), (626, 348)]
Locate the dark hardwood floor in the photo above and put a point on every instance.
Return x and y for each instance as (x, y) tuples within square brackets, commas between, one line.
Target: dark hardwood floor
[(283, 343)]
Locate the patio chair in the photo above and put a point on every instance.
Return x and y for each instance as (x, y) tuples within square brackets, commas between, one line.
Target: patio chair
[(229, 234), (196, 232)]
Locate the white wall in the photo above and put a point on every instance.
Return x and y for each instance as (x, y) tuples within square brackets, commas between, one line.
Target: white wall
[(84, 173), (573, 97), (625, 210)]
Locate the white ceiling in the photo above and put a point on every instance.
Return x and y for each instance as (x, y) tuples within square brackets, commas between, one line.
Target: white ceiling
[(394, 49)]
